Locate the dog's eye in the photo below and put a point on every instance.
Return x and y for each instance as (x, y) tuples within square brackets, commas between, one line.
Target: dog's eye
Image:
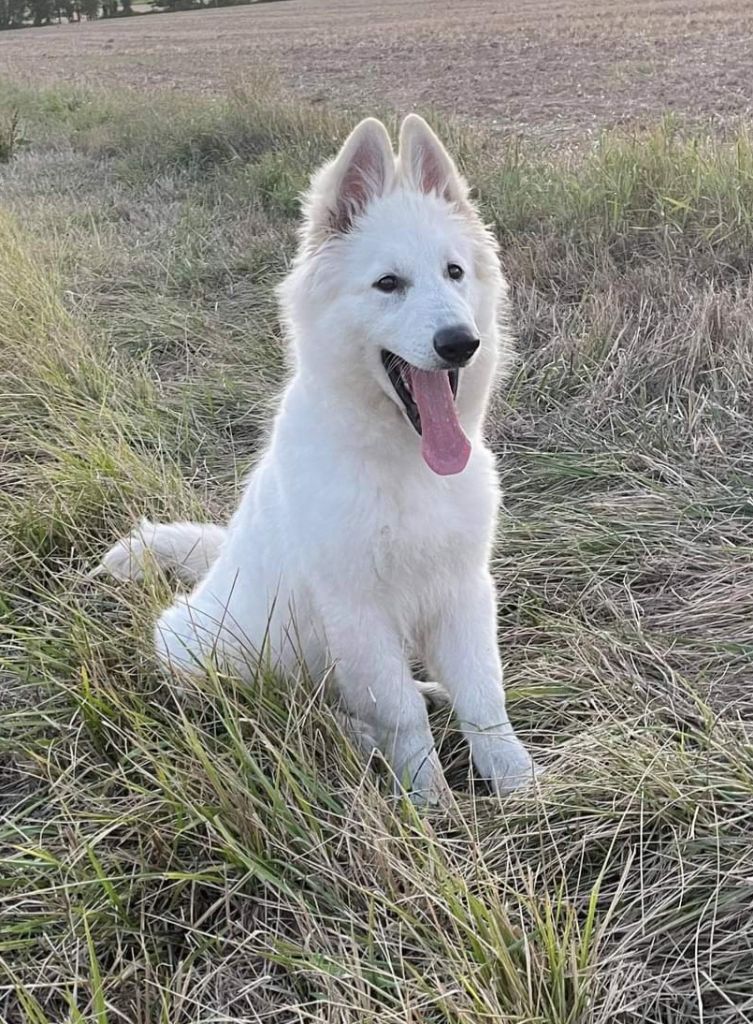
[(388, 283), (455, 272)]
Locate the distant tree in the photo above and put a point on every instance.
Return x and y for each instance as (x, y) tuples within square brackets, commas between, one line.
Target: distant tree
[(42, 11), (187, 5), (17, 13), (12, 13), (175, 5)]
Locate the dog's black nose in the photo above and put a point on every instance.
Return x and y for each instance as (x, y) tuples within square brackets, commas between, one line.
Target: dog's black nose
[(455, 345)]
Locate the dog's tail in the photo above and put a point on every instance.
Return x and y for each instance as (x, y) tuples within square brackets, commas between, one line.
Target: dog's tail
[(187, 548)]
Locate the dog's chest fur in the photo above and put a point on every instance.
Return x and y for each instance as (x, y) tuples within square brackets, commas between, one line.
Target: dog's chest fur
[(422, 528), (412, 536)]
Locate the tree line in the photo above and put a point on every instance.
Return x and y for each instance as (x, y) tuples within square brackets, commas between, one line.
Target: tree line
[(21, 13)]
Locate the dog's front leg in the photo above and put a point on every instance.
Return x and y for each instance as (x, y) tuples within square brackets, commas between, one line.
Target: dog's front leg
[(463, 655), (383, 703)]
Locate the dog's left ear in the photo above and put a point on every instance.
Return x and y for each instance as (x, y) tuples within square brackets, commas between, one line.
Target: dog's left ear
[(426, 163)]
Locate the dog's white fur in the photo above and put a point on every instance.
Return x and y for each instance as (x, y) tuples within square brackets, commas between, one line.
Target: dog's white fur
[(346, 549)]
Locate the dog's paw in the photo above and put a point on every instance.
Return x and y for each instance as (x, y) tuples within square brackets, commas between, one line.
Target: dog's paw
[(514, 783), (438, 796), (504, 763), (521, 778), (426, 786)]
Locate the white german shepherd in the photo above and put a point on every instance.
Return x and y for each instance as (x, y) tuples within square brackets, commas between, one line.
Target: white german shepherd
[(363, 537)]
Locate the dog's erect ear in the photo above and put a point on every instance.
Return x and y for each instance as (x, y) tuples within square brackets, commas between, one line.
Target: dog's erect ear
[(426, 163), (362, 170)]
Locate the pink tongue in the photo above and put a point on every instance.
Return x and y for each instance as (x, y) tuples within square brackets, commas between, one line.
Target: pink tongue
[(444, 446)]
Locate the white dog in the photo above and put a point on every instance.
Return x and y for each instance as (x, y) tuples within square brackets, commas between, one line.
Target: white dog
[(363, 537)]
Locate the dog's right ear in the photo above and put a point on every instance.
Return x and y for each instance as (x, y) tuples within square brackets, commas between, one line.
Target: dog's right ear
[(362, 170)]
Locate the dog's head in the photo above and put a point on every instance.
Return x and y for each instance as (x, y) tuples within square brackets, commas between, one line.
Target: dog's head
[(401, 282)]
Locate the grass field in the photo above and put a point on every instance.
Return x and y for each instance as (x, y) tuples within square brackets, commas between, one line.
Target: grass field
[(229, 859), (556, 69)]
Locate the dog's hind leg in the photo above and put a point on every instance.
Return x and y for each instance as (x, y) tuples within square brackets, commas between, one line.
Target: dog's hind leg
[(196, 631)]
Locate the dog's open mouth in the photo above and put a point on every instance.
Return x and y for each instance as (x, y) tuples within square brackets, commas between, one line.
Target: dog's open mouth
[(428, 397)]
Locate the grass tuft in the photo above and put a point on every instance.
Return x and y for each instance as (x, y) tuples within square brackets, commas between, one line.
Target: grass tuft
[(10, 137)]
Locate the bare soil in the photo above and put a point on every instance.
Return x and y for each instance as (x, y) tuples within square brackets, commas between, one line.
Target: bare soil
[(548, 68)]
